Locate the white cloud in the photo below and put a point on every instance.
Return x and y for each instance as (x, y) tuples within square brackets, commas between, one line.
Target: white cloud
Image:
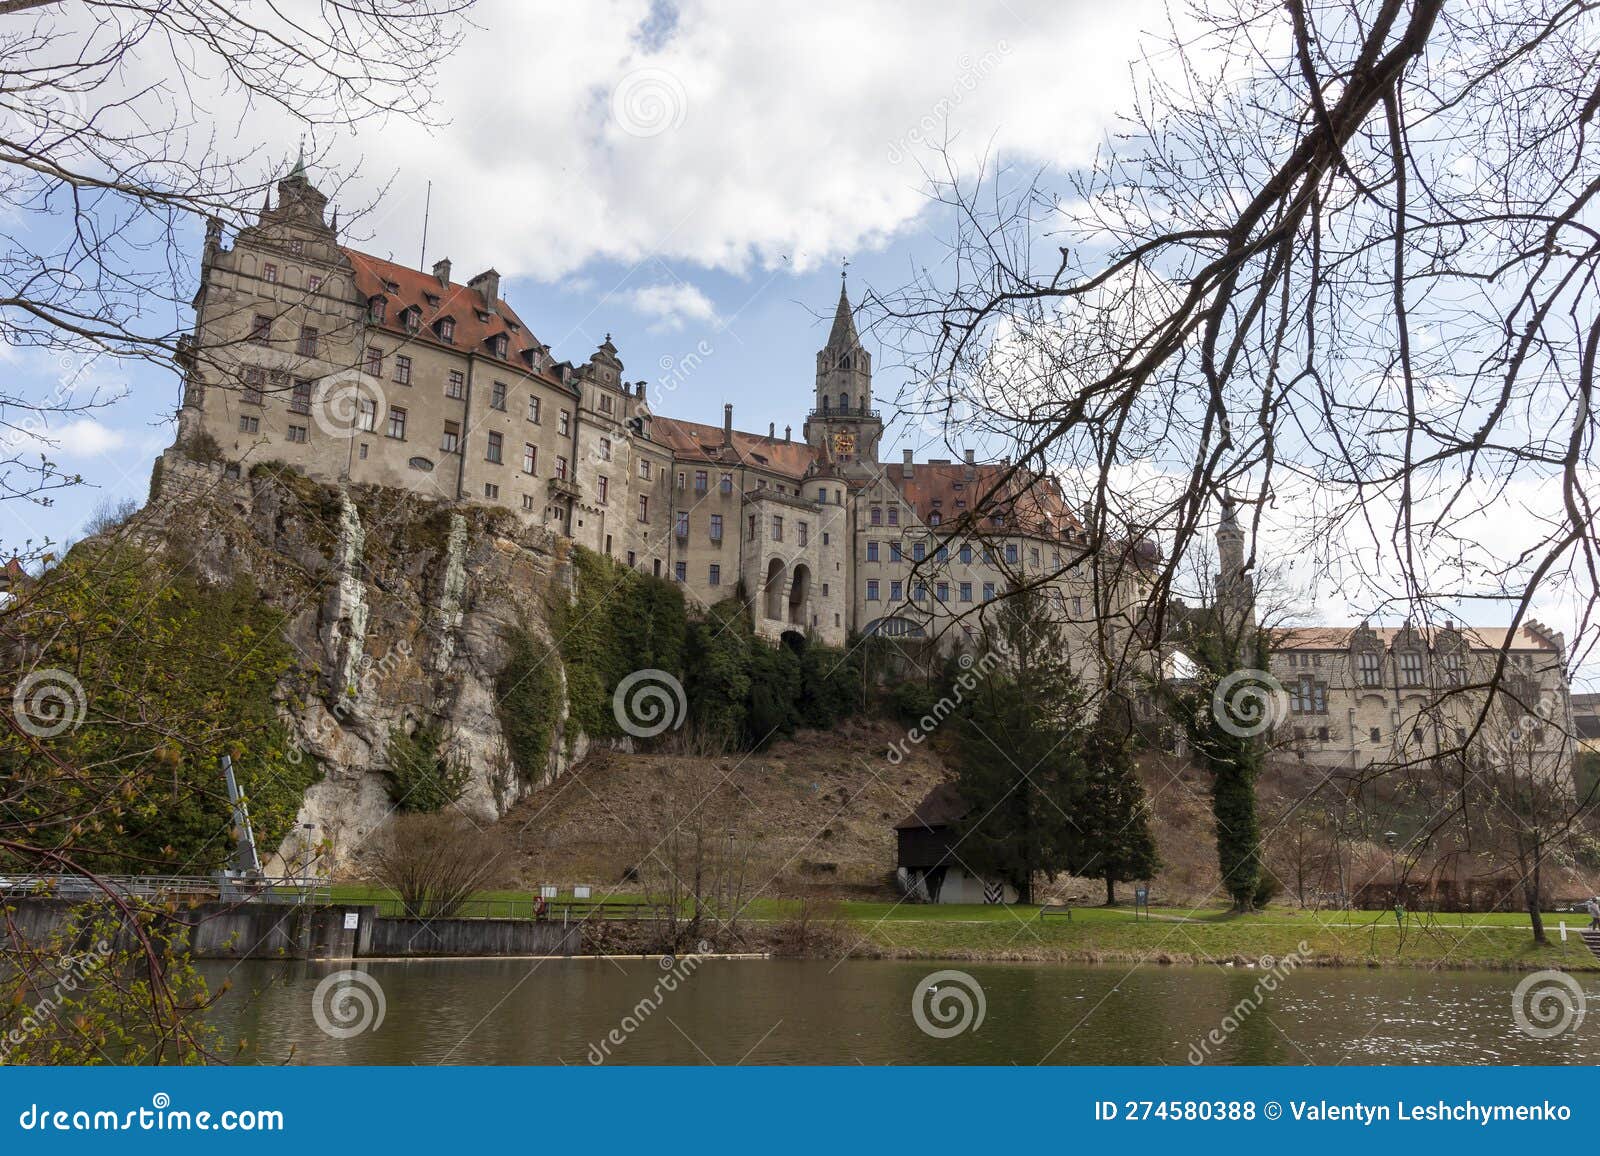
[(672, 305), (741, 134), (80, 438)]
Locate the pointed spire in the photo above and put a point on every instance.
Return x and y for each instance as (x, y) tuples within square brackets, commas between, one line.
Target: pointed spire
[(266, 202), (843, 332), (335, 226), (299, 169)]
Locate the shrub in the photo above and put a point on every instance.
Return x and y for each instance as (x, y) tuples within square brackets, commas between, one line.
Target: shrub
[(529, 692), (433, 862), (421, 776)]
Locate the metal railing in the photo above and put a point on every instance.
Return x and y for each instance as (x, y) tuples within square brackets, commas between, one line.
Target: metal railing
[(556, 910), (261, 889)]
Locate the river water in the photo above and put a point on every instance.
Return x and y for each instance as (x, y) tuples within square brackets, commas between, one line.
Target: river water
[(823, 1012)]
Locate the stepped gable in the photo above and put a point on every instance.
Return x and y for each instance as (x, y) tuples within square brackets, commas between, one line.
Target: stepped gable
[(1034, 505)]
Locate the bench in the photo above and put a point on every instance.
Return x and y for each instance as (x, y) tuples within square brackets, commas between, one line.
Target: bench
[(1056, 909)]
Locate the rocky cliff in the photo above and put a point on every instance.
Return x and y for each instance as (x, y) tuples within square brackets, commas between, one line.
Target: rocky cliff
[(403, 611)]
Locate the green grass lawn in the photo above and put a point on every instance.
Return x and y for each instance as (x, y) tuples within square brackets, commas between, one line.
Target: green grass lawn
[(1167, 935)]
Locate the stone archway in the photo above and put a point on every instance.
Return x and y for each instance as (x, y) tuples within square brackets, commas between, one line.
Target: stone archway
[(799, 595), (773, 588)]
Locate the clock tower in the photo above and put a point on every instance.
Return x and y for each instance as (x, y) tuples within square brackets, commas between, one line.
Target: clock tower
[(843, 423)]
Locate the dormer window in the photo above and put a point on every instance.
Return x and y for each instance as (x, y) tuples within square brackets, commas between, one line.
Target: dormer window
[(432, 299), (391, 287), (482, 316), (497, 344), (446, 329), (376, 307), (412, 318)]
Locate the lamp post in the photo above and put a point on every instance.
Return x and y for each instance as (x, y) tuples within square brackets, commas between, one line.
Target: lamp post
[(1389, 838)]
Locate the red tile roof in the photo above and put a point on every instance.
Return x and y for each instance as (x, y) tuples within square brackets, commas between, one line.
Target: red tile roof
[(413, 287), (693, 441), (1038, 508)]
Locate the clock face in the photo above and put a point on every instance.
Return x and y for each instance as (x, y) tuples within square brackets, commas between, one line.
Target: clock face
[(844, 442)]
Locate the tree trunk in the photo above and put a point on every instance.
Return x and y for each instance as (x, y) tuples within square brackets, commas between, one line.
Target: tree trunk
[(1111, 891), (1530, 896)]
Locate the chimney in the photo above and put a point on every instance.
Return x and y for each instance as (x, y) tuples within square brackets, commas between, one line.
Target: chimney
[(786, 431), (905, 465), (727, 423), (772, 431), (441, 270), (970, 472), (487, 283)]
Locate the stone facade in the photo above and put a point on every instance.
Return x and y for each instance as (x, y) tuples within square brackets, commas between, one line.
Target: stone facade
[(355, 369)]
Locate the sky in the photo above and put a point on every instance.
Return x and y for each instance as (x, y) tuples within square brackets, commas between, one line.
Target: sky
[(689, 178)]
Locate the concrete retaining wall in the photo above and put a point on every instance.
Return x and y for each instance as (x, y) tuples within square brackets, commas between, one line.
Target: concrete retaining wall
[(471, 937), (216, 930)]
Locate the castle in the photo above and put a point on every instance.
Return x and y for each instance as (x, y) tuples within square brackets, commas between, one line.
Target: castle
[(358, 370)]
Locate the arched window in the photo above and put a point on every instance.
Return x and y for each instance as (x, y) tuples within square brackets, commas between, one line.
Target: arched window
[(825, 403), (844, 402), (844, 362), (934, 519)]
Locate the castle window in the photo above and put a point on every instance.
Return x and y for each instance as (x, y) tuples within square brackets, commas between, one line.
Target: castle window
[(490, 490), (374, 361), (725, 484), (604, 449), (714, 575), (456, 385), (894, 551), (564, 423), (249, 424), (1011, 551), (498, 345), (261, 329), (530, 458), (253, 377), (366, 417), (1375, 736), (605, 403), (297, 433), (681, 524), (644, 468), (397, 423), (919, 592), (412, 318), (451, 442), (270, 272), (561, 468), (492, 451), (533, 409), (777, 528), (700, 481), (825, 408), (402, 369), (313, 283), (644, 508), (844, 362), (877, 515), (308, 341), (941, 591), (1077, 604), (942, 554), (716, 527), (680, 571), (844, 403), (988, 591), (896, 591), (802, 532), (1370, 665), (447, 330), (872, 589), (497, 395), (1454, 671), (934, 518), (376, 308), (966, 592), (966, 554), (894, 515), (918, 551), (604, 485), (872, 551), (300, 396), (1410, 668), (527, 501)]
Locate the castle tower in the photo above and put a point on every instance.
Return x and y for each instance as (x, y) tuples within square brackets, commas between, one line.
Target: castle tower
[(843, 423), (1235, 592)]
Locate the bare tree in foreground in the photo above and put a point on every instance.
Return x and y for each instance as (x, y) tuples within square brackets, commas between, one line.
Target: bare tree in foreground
[(124, 127), (1341, 262)]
